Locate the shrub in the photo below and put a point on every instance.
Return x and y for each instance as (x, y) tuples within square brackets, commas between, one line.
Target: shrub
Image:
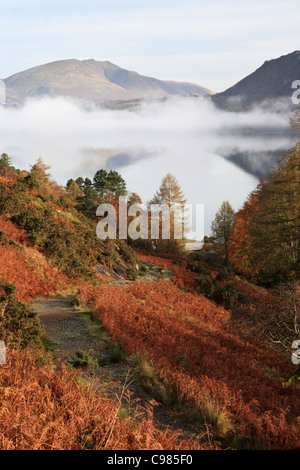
[(83, 361), (116, 354), (228, 296), (179, 262), (143, 269), (19, 323), (132, 273), (207, 285), (3, 239)]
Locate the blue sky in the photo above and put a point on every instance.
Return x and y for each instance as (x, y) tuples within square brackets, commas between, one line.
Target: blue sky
[(213, 43)]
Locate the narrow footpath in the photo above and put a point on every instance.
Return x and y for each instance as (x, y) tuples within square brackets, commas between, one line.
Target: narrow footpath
[(70, 329)]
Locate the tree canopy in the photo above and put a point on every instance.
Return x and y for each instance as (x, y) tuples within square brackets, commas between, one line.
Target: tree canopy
[(169, 192), (110, 183), (169, 195), (90, 193), (6, 167), (266, 239), (222, 227)]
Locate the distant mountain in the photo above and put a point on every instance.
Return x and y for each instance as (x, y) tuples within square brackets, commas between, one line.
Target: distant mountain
[(93, 80), (269, 85)]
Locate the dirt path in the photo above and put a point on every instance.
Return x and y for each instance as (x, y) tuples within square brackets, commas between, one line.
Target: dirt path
[(70, 329)]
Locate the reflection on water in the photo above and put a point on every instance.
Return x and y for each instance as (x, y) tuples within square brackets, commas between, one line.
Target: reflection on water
[(258, 150), (259, 164), (215, 155), (210, 169)]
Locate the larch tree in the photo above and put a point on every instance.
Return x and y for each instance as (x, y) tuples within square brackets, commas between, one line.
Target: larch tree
[(275, 227), (74, 190), (222, 227), (267, 233), (170, 197), (39, 173), (6, 167)]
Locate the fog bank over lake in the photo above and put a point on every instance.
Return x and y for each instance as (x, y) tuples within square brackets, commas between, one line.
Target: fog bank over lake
[(215, 155)]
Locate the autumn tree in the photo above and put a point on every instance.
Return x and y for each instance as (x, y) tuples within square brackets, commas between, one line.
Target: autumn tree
[(266, 239), (134, 198), (240, 249), (171, 199), (6, 167), (74, 190), (275, 229), (271, 241), (222, 227), (40, 177)]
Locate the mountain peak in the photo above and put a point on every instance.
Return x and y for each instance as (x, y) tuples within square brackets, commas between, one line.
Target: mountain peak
[(272, 81), (92, 80)]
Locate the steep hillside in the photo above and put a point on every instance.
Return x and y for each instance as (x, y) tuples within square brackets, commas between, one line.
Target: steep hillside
[(201, 364), (270, 82), (205, 343), (46, 245), (92, 80)]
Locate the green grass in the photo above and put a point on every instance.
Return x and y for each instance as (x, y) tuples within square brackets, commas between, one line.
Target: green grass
[(96, 330), (83, 361), (116, 354), (49, 343), (207, 413)]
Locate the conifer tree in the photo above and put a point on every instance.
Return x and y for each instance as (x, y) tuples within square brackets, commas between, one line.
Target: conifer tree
[(222, 227), (170, 196), (39, 173), (5, 165), (74, 190), (266, 238), (109, 183)]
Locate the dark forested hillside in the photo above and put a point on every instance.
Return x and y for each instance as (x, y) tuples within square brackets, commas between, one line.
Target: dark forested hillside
[(270, 82)]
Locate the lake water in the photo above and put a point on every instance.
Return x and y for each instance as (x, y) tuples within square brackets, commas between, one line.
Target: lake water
[(209, 169), (214, 155)]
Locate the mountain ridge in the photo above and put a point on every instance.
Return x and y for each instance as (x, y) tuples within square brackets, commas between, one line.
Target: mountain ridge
[(93, 80), (269, 86), (272, 81)]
